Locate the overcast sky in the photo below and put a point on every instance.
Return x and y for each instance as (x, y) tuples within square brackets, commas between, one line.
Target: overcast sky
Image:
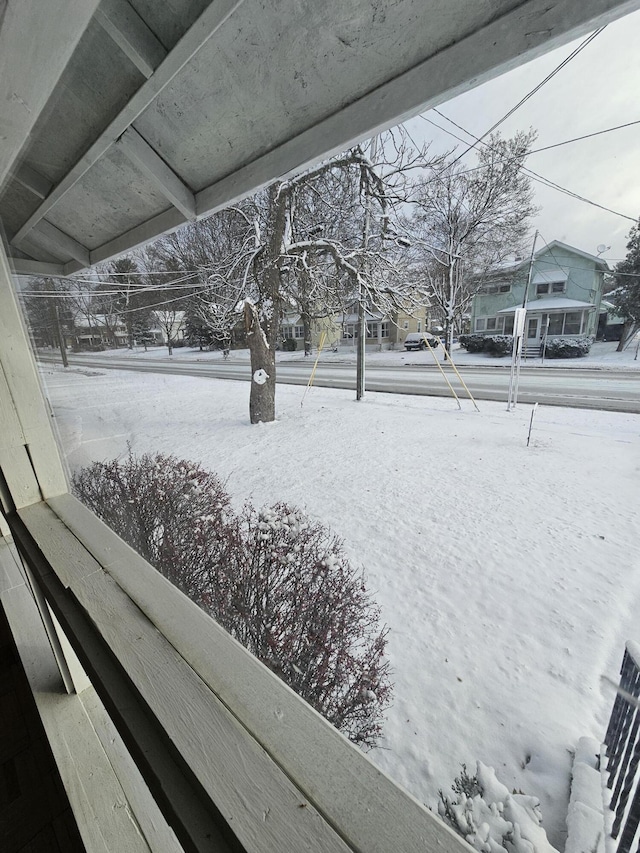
[(599, 88)]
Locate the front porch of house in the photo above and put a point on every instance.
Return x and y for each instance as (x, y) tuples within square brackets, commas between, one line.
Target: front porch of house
[(549, 318)]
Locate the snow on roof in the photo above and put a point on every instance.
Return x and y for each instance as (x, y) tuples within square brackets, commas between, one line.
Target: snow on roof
[(551, 304)]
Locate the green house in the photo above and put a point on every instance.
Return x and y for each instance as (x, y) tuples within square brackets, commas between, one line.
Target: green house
[(562, 293)]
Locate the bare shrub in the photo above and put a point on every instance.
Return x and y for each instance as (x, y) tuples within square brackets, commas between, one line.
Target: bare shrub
[(276, 581), (172, 512)]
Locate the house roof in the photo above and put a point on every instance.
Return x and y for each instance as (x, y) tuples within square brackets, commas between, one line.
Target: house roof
[(551, 304)]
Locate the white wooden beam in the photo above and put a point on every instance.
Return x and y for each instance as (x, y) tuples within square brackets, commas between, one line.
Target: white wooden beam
[(142, 155), (37, 40), (27, 266), (198, 34), (29, 457), (131, 34), (33, 181), (59, 243)]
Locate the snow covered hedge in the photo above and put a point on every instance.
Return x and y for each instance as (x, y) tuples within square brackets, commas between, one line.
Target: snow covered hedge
[(491, 344), (277, 581), (490, 818), (568, 347), (472, 343)]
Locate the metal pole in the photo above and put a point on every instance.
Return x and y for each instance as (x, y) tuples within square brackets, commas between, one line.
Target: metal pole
[(362, 324), (518, 340)]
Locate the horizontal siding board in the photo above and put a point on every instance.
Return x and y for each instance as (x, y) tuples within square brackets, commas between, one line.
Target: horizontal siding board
[(263, 807), (372, 812)]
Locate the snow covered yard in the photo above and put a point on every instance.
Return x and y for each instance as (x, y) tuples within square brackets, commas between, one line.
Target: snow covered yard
[(509, 576)]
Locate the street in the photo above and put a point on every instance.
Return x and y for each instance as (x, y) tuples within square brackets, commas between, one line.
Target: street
[(612, 390)]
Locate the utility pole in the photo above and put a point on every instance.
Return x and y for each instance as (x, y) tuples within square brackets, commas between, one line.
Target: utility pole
[(362, 322), (63, 349), (519, 332)]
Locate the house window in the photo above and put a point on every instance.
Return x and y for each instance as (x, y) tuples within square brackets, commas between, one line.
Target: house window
[(350, 331), (508, 324), (555, 324), (572, 323), (550, 287), (419, 326), (504, 288), (287, 332), (298, 332), (384, 330), (491, 323), (372, 330), (405, 325), (481, 324)]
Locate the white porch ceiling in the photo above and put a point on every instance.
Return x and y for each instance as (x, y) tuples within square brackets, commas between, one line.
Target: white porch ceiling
[(126, 118)]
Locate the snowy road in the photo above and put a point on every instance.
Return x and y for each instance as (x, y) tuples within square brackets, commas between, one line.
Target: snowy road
[(610, 390)]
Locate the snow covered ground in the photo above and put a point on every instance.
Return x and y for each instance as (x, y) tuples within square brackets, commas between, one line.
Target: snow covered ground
[(509, 575)]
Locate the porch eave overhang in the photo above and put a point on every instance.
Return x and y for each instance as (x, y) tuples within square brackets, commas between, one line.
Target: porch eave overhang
[(547, 306)]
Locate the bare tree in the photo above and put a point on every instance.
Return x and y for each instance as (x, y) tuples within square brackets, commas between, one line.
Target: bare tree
[(467, 222), (318, 246)]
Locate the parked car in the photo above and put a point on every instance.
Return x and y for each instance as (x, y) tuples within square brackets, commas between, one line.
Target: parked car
[(416, 340)]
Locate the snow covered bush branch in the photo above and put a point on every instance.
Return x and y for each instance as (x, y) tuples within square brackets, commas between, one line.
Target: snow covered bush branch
[(490, 818), (275, 580)]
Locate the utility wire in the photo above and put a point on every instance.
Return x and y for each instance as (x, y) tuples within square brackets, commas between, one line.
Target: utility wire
[(535, 175), (532, 92), (533, 150)]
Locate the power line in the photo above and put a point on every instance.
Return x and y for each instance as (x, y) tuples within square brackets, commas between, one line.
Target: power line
[(532, 92), (535, 175), (533, 150)]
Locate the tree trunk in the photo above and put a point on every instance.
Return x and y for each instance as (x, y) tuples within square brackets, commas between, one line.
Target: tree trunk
[(262, 399), (628, 330), (306, 326)]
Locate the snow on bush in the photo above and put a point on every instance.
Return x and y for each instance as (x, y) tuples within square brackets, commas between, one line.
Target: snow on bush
[(568, 347), (491, 344), (490, 818), (472, 343), (275, 580)]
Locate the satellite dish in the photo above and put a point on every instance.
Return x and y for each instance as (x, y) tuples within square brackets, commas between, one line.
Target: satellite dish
[(602, 248)]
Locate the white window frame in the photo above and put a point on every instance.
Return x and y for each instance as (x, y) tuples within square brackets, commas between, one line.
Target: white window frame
[(480, 324)]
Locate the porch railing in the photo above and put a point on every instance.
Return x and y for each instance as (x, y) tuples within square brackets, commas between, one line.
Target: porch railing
[(623, 750)]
